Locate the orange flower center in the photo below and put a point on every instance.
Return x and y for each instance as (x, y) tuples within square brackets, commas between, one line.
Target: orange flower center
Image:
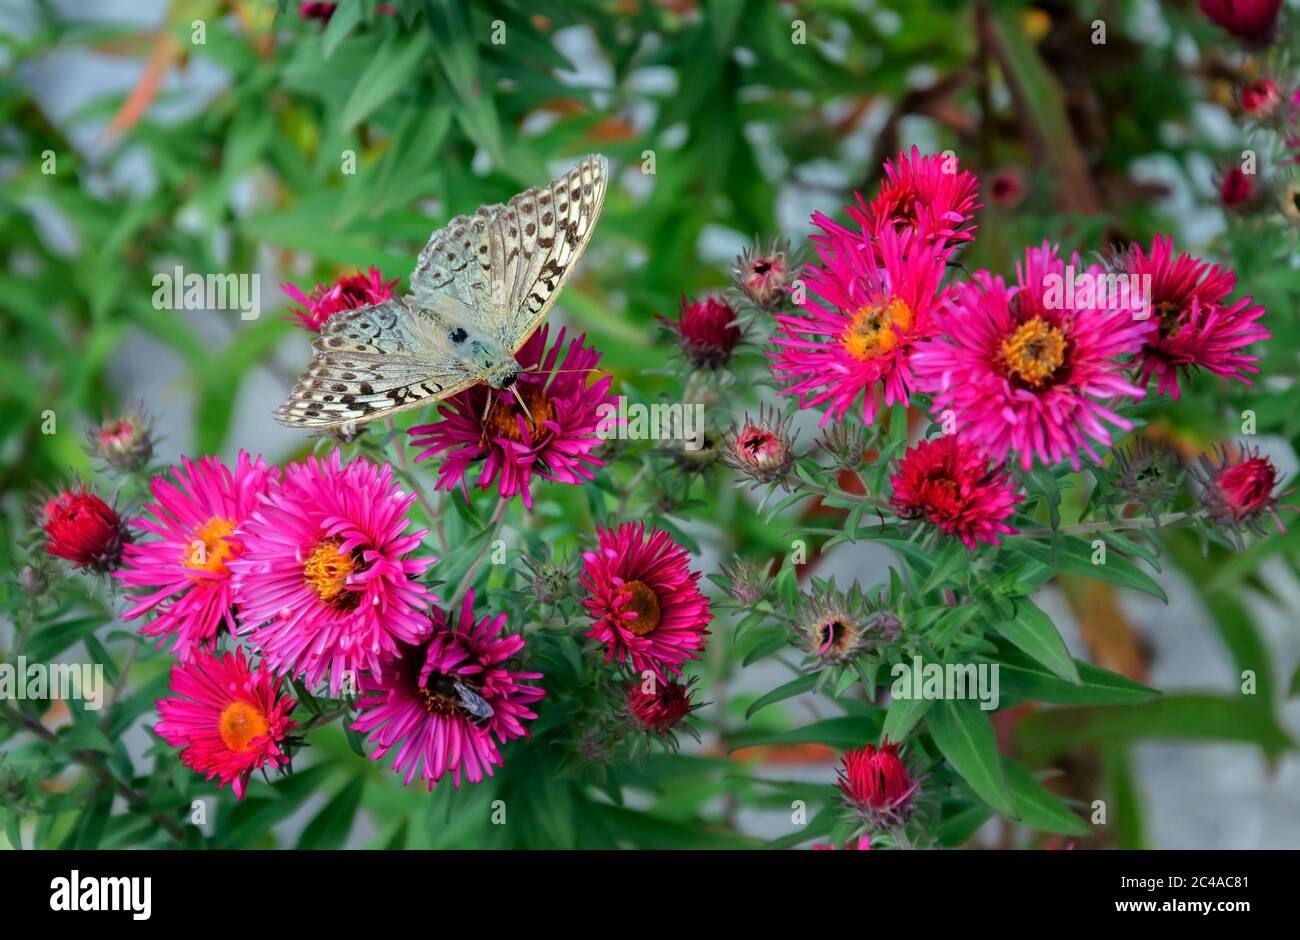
[(502, 418), (645, 605), (875, 329), (241, 723), (1034, 352), (327, 571), (210, 549)]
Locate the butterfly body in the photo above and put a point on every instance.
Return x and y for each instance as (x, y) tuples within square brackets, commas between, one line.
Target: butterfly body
[(481, 286)]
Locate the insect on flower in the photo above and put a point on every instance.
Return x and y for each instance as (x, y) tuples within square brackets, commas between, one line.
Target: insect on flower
[(481, 287)]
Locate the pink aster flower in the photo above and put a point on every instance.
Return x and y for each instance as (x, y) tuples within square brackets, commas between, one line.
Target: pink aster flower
[(185, 572), (646, 603), (228, 718), (857, 337), (553, 441), (875, 782), (948, 482), (929, 195), (1035, 368), (347, 293), (445, 700), (324, 581), (1198, 327)]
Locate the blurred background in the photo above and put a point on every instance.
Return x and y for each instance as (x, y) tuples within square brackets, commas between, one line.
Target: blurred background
[(724, 121)]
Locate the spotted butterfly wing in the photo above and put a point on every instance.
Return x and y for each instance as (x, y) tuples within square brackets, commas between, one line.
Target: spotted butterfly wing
[(539, 237), (371, 362)]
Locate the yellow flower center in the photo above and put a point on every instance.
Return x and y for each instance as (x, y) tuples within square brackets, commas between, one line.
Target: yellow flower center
[(872, 333), (645, 605), (241, 723), (501, 419), (327, 571), (1034, 352), (209, 551)]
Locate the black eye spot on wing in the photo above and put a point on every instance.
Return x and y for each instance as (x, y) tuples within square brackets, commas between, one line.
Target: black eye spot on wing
[(458, 335)]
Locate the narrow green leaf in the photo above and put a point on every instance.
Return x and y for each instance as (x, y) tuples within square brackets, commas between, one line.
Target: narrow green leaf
[(796, 686), (1039, 807), (391, 70), (904, 713), (953, 560), (1033, 631), (330, 828), (965, 736)]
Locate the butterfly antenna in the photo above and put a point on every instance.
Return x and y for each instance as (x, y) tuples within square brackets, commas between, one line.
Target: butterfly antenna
[(520, 398)]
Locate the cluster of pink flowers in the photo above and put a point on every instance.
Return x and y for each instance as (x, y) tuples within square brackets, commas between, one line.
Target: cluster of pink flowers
[(1024, 373), (314, 575)]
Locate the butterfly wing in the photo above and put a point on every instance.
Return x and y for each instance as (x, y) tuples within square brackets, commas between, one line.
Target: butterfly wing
[(373, 362), (534, 243)]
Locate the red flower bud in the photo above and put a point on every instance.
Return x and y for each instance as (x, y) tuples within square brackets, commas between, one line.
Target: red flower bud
[(706, 331), (1251, 21), (83, 529)]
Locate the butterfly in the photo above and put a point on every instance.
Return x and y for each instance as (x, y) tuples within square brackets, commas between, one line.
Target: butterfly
[(480, 288)]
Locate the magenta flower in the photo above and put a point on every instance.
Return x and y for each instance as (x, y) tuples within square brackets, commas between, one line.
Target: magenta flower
[(553, 441), (646, 603), (347, 293), (858, 337), (445, 700), (928, 195), (186, 568), (228, 718), (948, 482), (1024, 370), (1197, 326), (324, 583)]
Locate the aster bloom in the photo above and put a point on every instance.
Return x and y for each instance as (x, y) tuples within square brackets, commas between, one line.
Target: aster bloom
[(1024, 370), (553, 441), (347, 293), (183, 575), (124, 443), (857, 338), (324, 581), (761, 448), (1259, 99), (1238, 489), (948, 482), (928, 195), (835, 627), (81, 528), (877, 784), (1236, 188), (663, 707), (228, 718), (763, 275), (646, 603), (1249, 20), (1198, 327), (446, 700), (706, 331)]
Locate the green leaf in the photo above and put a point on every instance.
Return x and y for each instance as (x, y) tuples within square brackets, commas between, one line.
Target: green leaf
[(960, 828), (49, 641), (842, 733), (904, 713), (953, 560), (253, 818), (796, 686), (330, 828), (950, 624), (1182, 717), (1075, 556), (1039, 807), (1023, 679), (1033, 631), (346, 17), (965, 736), (392, 69)]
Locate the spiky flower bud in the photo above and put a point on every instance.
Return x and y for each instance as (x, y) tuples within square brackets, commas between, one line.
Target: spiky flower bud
[(761, 448), (835, 627)]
